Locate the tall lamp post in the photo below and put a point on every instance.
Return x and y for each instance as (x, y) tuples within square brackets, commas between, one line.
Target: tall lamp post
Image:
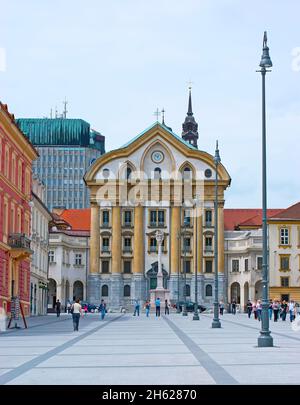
[(178, 273), (265, 339), (196, 311), (216, 321), (184, 311)]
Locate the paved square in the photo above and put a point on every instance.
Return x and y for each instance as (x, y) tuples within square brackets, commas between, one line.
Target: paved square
[(124, 349)]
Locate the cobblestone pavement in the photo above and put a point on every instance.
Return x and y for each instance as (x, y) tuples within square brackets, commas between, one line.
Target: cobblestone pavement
[(124, 349)]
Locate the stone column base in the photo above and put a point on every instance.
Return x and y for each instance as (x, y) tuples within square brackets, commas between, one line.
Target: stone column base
[(93, 289)]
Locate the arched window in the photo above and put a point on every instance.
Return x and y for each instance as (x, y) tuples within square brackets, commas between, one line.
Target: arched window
[(128, 173), (104, 291), (105, 173), (187, 290), (126, 290), (157, 173), (187, 173), (208, 290)]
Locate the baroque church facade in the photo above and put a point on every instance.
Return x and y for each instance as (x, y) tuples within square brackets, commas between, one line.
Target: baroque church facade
[(157, 181)]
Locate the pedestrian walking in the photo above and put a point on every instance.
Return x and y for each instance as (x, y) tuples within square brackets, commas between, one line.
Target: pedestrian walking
[(147, 308), (157, 307), (136, 308), (254, 308), (102, 309), (76, 312), (284, 309), (292, 310), (167, 308), (58, 308), (68, 307), (221, 307), (249, 308), (276, 308), (259, 310), (270, 309), (233, 307)]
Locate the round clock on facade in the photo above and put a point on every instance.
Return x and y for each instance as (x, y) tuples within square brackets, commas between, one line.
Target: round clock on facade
[(157, 156), (208, 173)]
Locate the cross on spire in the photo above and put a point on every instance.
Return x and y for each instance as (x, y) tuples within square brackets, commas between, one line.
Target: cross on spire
[(157, 113)]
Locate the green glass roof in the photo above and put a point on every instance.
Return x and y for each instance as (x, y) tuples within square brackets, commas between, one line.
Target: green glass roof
[(56, 131)]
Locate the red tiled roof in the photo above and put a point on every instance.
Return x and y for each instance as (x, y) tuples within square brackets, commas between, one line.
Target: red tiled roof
[(79, 220), (292, 212), (235, 217)]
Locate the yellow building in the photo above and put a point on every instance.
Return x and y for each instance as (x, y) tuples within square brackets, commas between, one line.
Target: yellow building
[(156, 181), (284, 253)]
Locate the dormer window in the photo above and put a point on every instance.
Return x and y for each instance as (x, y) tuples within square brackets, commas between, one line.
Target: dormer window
[(187, 173), (128, 173), (105, 173)]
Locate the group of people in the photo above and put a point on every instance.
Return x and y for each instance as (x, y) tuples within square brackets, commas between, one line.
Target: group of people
[(277, 309), (147, 307)]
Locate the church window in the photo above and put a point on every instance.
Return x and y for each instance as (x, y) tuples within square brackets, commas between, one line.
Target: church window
[(208, 290)]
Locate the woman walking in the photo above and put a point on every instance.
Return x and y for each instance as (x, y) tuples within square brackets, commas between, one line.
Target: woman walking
[(167, 309), (147, 308), (249, 308), (76, 312), (276, 308), (102, 309)]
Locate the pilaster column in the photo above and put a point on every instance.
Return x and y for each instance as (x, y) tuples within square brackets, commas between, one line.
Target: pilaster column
[(116, 240), (221, 239), (175, 243), (95, 239), (138, 240), (199, 241)]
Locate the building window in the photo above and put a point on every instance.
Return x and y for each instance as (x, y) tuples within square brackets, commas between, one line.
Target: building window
[(259, 261), (284, 263), (153, 244), (105, 266), (208, 266), (187, 218), (285, 281), (208, 290), (284, 236), (105, 218), (187, 291), (187, 266), (105, 244), (127, 244), (157, 173), (246, 264), (208, 243), (51, 256), (128, 173), (187, 173), (105, 173), (127, 218), (157, 218), (208, 218), (126, 290), (104, 291), (127, 266), (186, 244), (78, 259), (235, 266)]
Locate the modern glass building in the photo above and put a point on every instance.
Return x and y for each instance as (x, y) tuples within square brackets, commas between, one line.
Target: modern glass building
[(66, 147)]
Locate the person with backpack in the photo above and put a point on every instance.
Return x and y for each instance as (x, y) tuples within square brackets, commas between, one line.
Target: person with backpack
[(136, 308)]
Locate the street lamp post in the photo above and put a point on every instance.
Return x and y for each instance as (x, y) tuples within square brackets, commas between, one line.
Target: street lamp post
[(265, 339), (196, 311), (216, 321), (178, 273), (184, 311)]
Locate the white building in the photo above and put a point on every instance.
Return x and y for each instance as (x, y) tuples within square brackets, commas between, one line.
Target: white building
[(68, 258), (243, 265), (40, 218)]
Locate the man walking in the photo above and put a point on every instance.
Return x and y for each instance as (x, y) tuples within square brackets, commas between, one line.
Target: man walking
[(147, 308), (167, 310), (249, 308), (292, 310), (102, 309), (76, 312), (233, 307), (157, 307), (58, 307), (136, 308)]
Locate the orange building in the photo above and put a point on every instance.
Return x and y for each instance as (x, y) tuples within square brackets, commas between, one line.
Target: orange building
[(16, 157)]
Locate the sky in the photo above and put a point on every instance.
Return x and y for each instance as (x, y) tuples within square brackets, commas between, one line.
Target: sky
[(117, 61)]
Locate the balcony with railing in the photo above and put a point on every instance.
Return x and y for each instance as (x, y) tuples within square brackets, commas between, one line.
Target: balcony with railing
[(105, 249), (20, 246), (127, 249)]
